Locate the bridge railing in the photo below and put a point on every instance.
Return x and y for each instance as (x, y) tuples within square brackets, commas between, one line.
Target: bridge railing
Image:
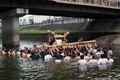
[(113, 3)]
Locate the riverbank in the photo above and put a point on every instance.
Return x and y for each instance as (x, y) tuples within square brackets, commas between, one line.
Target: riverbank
[(37, 31), (73, 37)]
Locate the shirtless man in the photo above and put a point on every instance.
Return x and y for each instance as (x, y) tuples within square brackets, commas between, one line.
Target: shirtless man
[(67, 59), (3, 51)]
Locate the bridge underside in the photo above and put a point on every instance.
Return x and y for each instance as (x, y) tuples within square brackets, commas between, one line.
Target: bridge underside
[(72, 14), (49, 7)]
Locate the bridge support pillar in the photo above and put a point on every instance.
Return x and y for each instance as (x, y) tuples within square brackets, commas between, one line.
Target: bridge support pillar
[(10, 32), (10, 27)]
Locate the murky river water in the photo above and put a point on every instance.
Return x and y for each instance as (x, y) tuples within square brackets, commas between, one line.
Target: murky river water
[(13, 68)]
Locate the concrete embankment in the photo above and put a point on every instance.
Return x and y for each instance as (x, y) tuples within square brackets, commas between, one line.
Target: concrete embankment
[(73, 37), (112, 41), (96, 25)]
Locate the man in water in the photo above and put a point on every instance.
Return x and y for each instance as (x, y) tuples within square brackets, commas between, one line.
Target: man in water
[(48, 57), (82, 64), (110, 52), (78, 57), (3, 52), (87, 58), (57, 61), (93, 62), (102, 62), (67, 58)]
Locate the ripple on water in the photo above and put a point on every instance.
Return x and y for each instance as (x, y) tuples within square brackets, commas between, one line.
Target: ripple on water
[(22, 69)]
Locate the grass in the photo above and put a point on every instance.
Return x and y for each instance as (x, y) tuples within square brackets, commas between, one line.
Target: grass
[(20, 28), (63, 31), (59, 31), (45, 31)]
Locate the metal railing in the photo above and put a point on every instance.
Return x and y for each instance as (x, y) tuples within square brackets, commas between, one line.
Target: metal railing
[(113, 3), (59, 21)]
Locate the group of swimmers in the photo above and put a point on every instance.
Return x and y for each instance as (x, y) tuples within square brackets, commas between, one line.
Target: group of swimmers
[(84, 54)]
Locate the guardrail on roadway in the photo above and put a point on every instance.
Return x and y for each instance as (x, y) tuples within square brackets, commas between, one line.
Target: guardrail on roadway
[(113, 3)]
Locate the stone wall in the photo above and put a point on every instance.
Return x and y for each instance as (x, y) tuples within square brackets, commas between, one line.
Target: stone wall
[(73, 37), (96, 25)]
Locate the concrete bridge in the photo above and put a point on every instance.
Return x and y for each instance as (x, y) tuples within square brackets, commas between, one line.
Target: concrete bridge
[(11, 10)]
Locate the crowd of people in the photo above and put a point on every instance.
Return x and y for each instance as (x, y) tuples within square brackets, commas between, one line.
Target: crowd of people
[(99, 2), (84, 54)]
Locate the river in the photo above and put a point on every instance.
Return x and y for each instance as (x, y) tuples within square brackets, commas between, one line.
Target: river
[(14, 68)]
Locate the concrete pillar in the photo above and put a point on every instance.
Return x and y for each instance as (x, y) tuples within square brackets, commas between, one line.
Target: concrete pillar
[(10, 31), (10, 26)]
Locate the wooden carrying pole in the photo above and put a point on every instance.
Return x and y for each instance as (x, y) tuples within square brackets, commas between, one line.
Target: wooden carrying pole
[(74, 43)]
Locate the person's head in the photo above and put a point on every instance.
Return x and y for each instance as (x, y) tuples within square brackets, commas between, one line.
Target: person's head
[(57, 57), (13, 50), (82, 57), (35, 46), (48, 53), (21, 51), (9, 50), (93, 57), (91, 53), (110, 49), (29, 51), (78, 54), (98, 50), (105, 55), (102, 56), (3, 49), (18, 49), (25, 48), (86, 54)]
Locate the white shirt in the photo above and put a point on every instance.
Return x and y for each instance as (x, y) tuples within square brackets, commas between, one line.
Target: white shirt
[(102, 61), (82, 62), (62, 54), (92, 63), (28, 56), (48, 58), (95, 51), (110, 52), (58, 61), (19, 54), (110, 61), (83, 68), (81, 53), (98, 54), (102, 64), (90, 50)]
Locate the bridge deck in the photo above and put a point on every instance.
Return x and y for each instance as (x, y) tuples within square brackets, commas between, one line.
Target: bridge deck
[(86, 4)]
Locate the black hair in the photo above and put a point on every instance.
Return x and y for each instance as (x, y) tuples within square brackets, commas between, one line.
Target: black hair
[(48, 53), (78, 54), (85, 54), (110, 49), (29, 51), (91, 53), (82, 57), (102, 56), (3, 48), (105, 55), (34, 45), (57, 57), (93, 57), (98, 50)]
